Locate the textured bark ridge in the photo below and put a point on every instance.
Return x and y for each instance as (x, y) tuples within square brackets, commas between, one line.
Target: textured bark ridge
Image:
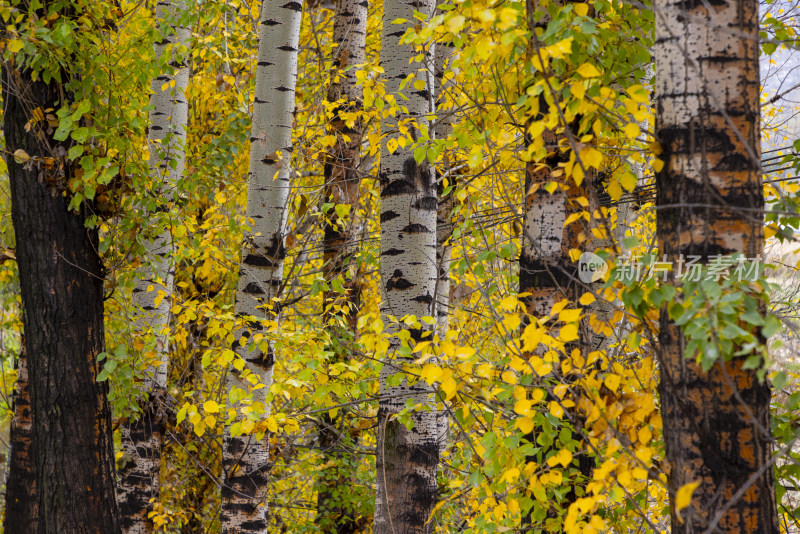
[(245, 460), (61, 282), (335, 513), (21, 504), (406, 459), (142, 438), (709, 197)]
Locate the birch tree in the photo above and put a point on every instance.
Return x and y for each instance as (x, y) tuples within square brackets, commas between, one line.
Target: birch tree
[(710, 201), (446, 182), (407, 459), (142, 438), (340, 235), (245, 459)]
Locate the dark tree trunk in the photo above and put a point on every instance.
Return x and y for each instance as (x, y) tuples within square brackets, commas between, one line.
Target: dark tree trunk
[(61, 281), (21, 505)]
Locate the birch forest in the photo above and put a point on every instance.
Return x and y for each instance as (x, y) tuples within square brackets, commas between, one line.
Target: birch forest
[(400, 266)]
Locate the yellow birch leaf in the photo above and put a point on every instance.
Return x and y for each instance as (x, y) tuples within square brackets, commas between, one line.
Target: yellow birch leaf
[(632, 130), (684, 497), (581, 10), (272, 425), (430, 373), (568, 333), (612, 382), (628, 181), (586, 299), (449, 387), (211, 406), (614, 190), (15, 45), (587, 70), (525, 424), (591, 157), (570, 316)]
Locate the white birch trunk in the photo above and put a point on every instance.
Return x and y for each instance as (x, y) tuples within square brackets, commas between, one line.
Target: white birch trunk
[(444, 220), (406, 459), (142, 439), (245, 460)]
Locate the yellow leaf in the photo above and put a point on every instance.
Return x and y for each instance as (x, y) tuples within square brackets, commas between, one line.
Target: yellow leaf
[(430, 373), (614, 190), (628, 181), (586, 299), (525, 424), (684, 497), (522, 407), (658, 165), (510, 476), (638, 93), (571, 219), (272, 425), (555, 409), (570, 316), (210, 406), (587, 70), (511, 321), (578, 90), (597, 127), (248, 426), (455, 23), (591, 157), (15, 45), (612, 382), (449, 387), (632, 130), (581, 10), (568, 333), (509, 303)]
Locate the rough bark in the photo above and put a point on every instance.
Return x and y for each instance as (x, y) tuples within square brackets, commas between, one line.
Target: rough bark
[(710, 201), (335, 513), (21, 506), (142, 437), (246, 460), (61, 283), (406, 459)]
